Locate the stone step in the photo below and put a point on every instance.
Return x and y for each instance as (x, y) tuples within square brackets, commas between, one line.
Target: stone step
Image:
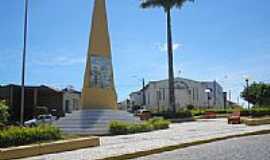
[(85, 127), (93, 121), (100, 112), (87, 131), (85, 124), (97, 118), (77, 120)]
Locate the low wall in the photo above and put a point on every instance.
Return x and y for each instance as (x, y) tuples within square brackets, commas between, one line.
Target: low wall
[(182, 120), (256, 121), (47, 148)]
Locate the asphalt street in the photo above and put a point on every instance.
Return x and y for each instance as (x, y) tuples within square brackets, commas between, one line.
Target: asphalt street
[(245, 148)]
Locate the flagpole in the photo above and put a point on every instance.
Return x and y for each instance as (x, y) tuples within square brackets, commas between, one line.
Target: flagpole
[(23, 62)]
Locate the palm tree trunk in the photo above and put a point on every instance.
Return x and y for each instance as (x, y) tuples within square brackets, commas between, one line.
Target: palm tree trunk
[(170, 62)]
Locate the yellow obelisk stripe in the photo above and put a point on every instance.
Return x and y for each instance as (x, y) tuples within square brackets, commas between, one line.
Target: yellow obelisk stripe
[(94, 96)]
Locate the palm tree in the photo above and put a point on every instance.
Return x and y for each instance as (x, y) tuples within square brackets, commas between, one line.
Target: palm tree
[(167, 5)]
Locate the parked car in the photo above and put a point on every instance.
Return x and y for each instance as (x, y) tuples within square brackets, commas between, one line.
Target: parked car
[(41, 119), (143, 114)]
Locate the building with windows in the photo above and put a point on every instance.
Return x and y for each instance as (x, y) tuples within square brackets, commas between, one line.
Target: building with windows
[(187, 92), (59, 101), (136, 98)]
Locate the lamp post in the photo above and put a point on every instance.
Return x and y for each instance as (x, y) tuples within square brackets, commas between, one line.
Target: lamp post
[(179, 73), (143, 88), (225, 94), (208, 91), (247, 85), (23, 62), (247, 78)]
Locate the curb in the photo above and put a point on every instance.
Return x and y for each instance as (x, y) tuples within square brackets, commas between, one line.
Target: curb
[(255, 122), (182, 145), (48, 148)]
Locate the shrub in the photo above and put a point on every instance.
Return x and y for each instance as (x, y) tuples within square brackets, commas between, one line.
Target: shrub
[(119, 127), (260, 112), (3, 112), (254, 112), (2, 126), (159, 123), (190, 107), (183, 114), (15, 136), (41, 110), (136, 128), (197, 112), (221, 111), (171, 115), (244, 112)]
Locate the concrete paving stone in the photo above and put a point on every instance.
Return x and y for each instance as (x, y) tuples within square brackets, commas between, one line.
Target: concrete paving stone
[(176, 134)]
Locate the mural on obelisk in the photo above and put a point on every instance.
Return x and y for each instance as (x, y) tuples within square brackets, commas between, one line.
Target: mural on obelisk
[(98, 90), (101, 72)]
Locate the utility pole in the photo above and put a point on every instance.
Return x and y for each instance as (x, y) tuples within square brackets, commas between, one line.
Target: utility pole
[(23, 61), (208, 100), (230, 95), (215, 92), (208, 91), (247, 82), (143, 90)]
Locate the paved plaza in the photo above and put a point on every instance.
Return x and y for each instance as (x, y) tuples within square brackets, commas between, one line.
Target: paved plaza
[(177, 134)]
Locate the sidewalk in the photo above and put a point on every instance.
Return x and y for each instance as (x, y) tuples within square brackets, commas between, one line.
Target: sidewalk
[(177, 134)]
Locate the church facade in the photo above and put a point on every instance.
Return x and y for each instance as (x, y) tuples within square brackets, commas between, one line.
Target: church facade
[(187, 93)]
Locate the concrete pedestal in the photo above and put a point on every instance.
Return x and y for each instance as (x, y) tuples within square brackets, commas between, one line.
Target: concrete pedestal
[(92, 122)]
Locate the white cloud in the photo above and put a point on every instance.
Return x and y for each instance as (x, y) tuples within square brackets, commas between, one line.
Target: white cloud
[(60, 61), (163, 47)]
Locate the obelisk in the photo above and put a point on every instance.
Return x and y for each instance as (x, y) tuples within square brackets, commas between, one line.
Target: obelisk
[(99, 100), (98, 89)]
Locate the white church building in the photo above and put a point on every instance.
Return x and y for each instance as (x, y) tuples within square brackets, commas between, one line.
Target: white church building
[(155, 95)]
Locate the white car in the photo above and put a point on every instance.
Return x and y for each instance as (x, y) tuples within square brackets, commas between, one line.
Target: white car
[(41, 119)]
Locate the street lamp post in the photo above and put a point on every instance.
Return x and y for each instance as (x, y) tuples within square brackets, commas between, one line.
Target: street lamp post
[(23, 62), (247, 78), (143, 89), (208, 91), (247, 83)]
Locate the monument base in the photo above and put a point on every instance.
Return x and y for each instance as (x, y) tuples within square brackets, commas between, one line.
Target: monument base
[(92, 122)]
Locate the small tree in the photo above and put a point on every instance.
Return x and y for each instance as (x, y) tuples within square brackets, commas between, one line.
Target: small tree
[(3, 112), (257, 94)]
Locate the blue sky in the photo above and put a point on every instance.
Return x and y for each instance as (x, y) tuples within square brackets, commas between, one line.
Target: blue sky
[(221, 40)]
